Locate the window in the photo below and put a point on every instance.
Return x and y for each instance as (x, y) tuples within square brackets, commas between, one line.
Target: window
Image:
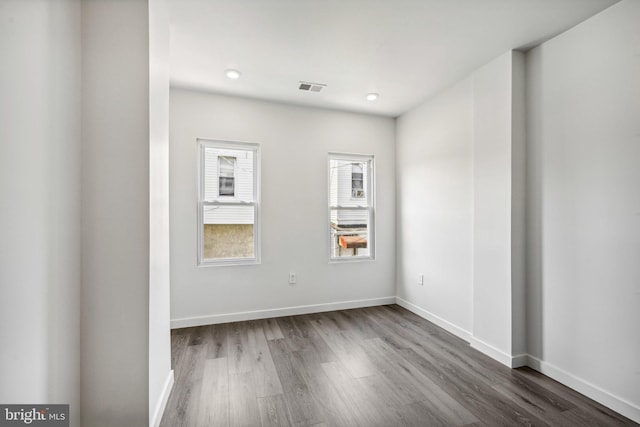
[(357, 183), (228, 203), (226, 172), (351, 207)]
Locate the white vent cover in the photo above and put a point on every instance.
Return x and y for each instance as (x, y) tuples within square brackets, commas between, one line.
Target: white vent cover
[(311, 87)]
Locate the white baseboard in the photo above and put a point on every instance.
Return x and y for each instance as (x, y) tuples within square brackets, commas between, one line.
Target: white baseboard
[(489, 350), (277, 312), (444, 324), (499, 355), (154, 421), (520, 361), (592, 391)]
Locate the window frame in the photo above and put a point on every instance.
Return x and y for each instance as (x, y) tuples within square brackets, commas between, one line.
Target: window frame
[(369, 184), (227, 200)]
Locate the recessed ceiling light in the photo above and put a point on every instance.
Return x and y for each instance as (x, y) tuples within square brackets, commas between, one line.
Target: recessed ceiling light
[(372, 96), (232, 74)]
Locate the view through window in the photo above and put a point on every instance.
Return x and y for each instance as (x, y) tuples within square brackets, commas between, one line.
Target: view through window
[(228, 205), (351, 212)]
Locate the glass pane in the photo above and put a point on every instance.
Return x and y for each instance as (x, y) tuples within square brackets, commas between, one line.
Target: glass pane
[(228, 174), (348, 181), (349, 233), (226, 186), (227, 165), (228, 232)]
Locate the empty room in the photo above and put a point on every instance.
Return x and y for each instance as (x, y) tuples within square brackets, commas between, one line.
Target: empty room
[(320, 213)]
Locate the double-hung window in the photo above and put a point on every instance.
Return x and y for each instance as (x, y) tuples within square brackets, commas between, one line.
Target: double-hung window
[(228, 202), (351, 207)]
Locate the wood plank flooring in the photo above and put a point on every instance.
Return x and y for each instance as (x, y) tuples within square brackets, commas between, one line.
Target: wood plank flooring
[(378, 366)]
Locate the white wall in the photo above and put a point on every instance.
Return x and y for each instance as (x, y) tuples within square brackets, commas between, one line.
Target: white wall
[(492, 204), (518, 205), (497, 224), (435, 205), (115, 314), (295, 142), (461, 211), (40, 202), (584, 206), (160, 374), (53, 52)]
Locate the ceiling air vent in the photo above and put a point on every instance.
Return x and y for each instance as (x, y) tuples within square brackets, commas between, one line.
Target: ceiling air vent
[(311, 87)]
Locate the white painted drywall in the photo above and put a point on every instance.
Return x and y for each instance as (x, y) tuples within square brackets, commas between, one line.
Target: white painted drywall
[(40, 202), (159, 264), (434, 192), (460, 221), (295, 142), (584, 202), (115, 322), (492, 204), (582, 207), (518, 205), (493, 213)]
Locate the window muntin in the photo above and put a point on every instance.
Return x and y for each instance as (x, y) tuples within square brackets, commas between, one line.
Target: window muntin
[(351, 207), (228, 205)]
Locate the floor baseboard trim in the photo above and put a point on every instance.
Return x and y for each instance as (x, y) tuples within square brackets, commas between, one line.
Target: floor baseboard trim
[(504, 358), (520, 361), (499, 355), (278, 312), (592, 391), (444, 324), (162, 401)]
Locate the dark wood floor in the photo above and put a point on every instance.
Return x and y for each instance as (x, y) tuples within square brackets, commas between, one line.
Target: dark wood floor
[(379, 366)]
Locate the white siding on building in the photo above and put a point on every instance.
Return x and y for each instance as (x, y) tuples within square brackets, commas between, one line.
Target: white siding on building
[(340, 193), (243, 175)]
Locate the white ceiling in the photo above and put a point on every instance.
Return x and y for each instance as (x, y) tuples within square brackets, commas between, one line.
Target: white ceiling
[(405, 50)]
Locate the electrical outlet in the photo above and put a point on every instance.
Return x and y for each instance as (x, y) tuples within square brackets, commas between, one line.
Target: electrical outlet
[(421, 279), (292, 278)]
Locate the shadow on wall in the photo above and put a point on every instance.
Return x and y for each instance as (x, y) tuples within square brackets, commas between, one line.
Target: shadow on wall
[(228, 241)]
